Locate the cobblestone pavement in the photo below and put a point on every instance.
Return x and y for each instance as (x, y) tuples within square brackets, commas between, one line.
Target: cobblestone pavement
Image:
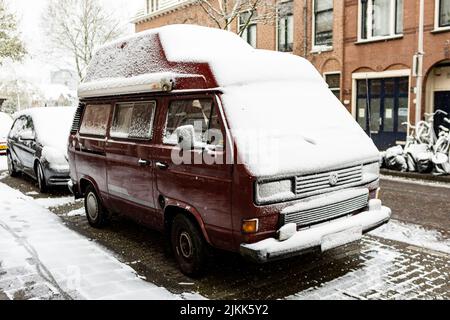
[(376, 268)]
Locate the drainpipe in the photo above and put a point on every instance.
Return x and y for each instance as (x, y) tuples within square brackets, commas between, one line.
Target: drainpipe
[(305, 28), (420, 54)]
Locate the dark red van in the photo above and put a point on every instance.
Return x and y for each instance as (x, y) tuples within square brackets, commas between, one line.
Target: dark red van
[(190, 131)]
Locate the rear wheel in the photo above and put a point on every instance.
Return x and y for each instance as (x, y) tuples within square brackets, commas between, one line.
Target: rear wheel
[(11, 169), (41, 178), (188, 245), (95, 212)]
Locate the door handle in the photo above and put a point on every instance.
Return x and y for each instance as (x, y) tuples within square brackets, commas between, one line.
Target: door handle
[(162, 165), (143, 162)]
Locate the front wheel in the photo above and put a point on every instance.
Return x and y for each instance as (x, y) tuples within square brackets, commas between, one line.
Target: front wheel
[(95, 212), (11, 169), (41, 178), (188, 245)]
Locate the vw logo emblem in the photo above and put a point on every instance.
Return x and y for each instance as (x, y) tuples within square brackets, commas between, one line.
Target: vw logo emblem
[(334, 178)]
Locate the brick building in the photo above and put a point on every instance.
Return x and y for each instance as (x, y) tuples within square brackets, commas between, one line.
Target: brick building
[(365, 49)]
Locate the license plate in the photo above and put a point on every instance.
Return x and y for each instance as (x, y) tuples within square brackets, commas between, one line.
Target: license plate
[(3, 147), (341, 238)]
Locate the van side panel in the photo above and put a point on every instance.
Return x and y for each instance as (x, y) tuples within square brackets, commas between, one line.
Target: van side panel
[(90, 157), (204, 187)]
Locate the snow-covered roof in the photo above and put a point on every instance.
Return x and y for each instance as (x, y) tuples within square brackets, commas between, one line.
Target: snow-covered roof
[(220, 57)]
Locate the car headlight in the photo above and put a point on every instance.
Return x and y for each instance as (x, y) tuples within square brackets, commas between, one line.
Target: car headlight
[(273, 191), (371, 171)]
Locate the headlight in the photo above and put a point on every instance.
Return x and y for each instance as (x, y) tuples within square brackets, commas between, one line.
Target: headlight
[(371, 171), (274, 191)]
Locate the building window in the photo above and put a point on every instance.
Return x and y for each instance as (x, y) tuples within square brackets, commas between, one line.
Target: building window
[(323, 23), (152, 5), (285, 27), (247, 27), (381, 18), (334, 83), (444, 13)]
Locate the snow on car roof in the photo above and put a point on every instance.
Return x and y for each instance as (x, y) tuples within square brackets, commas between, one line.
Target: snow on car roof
[(51, 124), (221, 57)]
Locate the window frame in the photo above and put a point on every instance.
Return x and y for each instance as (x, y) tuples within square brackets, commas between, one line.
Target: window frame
[(285, 17), (325, 74), (214, 106), (137, 139), (151, 6), (98, 136), (320, 47), (437, 18), (251, 24), (393, 27)]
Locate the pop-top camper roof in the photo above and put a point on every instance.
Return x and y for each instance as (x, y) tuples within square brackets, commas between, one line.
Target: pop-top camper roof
[(180, 57)]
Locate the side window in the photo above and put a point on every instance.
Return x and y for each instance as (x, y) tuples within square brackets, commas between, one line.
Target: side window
[(133, 120), (29, 124), (201, 114), (18, 127), (95, 119)]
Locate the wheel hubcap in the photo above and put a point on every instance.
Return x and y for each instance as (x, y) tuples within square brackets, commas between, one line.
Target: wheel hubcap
[(185, 245), (92, 206)]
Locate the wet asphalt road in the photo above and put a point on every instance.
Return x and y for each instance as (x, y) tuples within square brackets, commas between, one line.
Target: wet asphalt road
[(231, 277)]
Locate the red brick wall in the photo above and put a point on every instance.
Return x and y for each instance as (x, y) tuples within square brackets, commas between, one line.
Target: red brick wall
[(396, 53)]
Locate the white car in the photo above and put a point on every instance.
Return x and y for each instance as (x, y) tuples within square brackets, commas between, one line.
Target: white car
[(5, 125)]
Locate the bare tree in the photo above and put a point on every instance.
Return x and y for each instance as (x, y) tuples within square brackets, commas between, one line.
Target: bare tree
[(224, 13), (10, 44), (76, 27)]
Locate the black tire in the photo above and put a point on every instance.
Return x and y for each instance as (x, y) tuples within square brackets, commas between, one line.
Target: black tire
[(41, 179), (96, 214), (189, 247), (11, 169)]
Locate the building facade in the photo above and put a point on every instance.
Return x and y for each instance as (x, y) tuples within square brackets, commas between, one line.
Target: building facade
[(366, 50)]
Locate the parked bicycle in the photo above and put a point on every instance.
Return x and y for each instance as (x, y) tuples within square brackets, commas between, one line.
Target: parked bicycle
[(441, 157), (424, 151)]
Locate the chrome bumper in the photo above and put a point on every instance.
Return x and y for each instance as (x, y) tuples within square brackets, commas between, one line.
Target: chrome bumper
[(322, 237)]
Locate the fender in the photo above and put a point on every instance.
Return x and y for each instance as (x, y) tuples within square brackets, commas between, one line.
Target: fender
[(90, 180), (187, 207)]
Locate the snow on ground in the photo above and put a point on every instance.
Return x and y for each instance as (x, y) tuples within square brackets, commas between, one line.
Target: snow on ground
[(55, 202), (3, 163), (76, 213), (40, 257), (413, 234)]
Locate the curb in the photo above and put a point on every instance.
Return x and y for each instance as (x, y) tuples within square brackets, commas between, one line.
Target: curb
[(415, 175)]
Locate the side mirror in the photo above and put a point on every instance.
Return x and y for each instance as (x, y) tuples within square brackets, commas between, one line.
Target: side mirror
[(185, 137), (27, 135)]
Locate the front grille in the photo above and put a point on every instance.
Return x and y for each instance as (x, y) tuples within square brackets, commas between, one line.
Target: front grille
[(321, 181), (332, 211)]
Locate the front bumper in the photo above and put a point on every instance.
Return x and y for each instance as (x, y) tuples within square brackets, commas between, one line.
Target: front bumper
[(315, 237)]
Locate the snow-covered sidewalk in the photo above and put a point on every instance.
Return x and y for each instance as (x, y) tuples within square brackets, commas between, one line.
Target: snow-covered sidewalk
[(40, 258)]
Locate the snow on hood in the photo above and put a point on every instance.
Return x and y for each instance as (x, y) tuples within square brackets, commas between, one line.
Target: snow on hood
[(52, 126), (5, 125), (300, 127)]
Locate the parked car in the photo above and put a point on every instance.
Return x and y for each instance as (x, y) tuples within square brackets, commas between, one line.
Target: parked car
[(37, 145), (192, 132), (5, 125)]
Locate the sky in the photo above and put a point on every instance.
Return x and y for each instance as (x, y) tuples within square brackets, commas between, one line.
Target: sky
[(29, 14)]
